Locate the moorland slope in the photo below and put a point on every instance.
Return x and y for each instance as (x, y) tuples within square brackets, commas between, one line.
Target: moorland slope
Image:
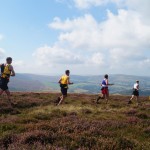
[(35, 122)]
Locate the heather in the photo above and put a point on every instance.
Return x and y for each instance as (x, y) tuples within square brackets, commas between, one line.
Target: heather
[(35, 122)]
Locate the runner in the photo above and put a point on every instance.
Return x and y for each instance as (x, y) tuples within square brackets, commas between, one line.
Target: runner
[(135, 92), (64, 82), (6, 71), (104, 89)]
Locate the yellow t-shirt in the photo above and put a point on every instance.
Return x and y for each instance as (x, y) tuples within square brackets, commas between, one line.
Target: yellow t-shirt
[(7, 72), (64, 79)]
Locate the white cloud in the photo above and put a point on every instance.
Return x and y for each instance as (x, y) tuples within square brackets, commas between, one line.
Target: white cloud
[(118, 43), (141, 6), (56, 55), (2, 53), (81, 33), (122, 58), (125, 30), (88, 3), (18, 63), (97, 59), (76, 23), (145, 63), (122, 30)]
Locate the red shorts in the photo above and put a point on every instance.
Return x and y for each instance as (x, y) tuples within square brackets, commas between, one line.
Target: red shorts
[(104, 91)]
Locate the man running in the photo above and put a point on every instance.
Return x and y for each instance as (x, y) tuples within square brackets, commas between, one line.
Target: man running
[(64, 82), (104, 89), (135, 92), (6, 71)]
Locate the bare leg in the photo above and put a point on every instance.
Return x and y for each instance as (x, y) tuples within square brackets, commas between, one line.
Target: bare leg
[(131, 97), (130, 101), (100, 97), (103, 96), (8, 96), (62, 99), (106, 97)]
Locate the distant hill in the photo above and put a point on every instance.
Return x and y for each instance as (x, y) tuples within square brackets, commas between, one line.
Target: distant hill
[(83, 84)]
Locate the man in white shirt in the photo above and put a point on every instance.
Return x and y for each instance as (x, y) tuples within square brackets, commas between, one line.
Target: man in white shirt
[(135, 92)]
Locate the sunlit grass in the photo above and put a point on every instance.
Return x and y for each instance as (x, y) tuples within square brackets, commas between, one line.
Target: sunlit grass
[(36, 122)]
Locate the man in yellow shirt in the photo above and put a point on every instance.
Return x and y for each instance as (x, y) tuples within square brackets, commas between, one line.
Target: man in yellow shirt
[(6, 71), (64, 82)]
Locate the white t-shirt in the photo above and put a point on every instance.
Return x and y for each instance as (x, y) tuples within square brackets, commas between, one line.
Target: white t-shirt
[(136, 86)]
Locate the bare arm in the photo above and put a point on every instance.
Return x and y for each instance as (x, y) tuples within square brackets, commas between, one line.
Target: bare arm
[(108, 83), (111, 84), (12, 71), (68, 81), (59, 81)]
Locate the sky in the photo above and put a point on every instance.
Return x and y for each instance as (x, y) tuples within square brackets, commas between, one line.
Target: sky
[(89, 37)]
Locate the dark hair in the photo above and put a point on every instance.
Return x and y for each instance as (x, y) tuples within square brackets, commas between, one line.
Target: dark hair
[(106, 76), (67, 71), (8, 59)]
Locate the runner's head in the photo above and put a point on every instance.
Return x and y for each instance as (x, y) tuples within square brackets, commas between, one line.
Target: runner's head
[(67, 72), (106, 76), (137, 81), (9, 60)]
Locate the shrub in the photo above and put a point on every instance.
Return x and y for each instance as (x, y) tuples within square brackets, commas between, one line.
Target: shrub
[(142, 116), (58, 113), (86, 111), (6, 110), (73, 113), (42, 137), (6, 127), (133, 120), (88, 142), (125, 143), (42, 116), (7, 140), (131, 112), (147, 131)]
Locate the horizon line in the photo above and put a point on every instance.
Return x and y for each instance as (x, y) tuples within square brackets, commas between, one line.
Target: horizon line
[(46, 74)]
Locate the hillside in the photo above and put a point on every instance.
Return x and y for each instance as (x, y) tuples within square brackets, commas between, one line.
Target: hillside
[(83, 84), (35, 122)]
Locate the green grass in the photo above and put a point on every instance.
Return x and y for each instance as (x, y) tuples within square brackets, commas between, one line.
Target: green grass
[(36, 122)]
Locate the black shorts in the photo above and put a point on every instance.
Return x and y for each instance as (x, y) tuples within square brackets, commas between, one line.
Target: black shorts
[(135, 92), (64, 91), (4, 84)]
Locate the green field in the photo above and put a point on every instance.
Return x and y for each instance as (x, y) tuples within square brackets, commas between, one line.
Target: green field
[(36, 123)]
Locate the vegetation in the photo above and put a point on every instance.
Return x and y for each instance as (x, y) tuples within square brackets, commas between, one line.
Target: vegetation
[(83, 84), (35, 122)]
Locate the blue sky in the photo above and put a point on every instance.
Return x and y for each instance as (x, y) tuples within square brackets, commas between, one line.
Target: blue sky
[(85, 36)]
